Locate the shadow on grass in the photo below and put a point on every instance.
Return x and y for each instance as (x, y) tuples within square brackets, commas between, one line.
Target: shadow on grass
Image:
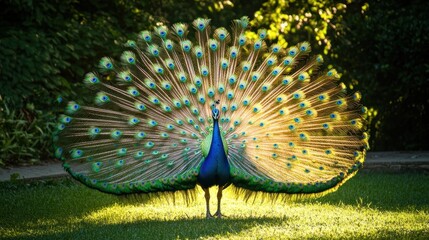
[(160, 229), (383, 191), (199, 228), (53, 199)]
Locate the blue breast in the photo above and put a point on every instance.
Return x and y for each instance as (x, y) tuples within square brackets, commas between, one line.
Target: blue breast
[(215, 168)]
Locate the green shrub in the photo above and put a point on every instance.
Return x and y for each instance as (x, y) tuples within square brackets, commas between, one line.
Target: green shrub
[(25, 135), (383, 51)]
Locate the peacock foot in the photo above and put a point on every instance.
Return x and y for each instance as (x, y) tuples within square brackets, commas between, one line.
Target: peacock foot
[(209, 216), (218, 214)]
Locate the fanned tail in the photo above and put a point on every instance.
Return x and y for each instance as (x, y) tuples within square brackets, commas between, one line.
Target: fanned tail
[(287, 127)]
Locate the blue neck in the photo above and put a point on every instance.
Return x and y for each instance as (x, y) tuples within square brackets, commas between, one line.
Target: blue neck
[(217, 144)]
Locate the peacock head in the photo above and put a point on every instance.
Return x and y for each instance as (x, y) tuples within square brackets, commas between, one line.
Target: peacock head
[(215, 113)]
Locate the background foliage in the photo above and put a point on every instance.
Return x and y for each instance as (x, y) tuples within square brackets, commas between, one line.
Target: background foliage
[(46, 46)]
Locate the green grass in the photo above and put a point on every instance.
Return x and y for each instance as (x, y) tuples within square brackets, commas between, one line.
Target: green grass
[(370, 205)]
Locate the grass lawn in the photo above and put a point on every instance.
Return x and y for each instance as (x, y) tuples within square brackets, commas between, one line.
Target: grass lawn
[(370, 205)]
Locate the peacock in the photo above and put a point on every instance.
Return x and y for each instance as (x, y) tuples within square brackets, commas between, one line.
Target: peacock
[(213, 109)]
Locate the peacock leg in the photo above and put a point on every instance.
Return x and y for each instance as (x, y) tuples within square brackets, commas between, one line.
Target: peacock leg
[(207, 197), (219, 197)]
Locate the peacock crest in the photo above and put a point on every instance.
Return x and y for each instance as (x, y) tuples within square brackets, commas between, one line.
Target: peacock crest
[(281, 125)]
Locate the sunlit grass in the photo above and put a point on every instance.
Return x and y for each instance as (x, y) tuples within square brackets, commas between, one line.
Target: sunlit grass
[(371, 205)]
